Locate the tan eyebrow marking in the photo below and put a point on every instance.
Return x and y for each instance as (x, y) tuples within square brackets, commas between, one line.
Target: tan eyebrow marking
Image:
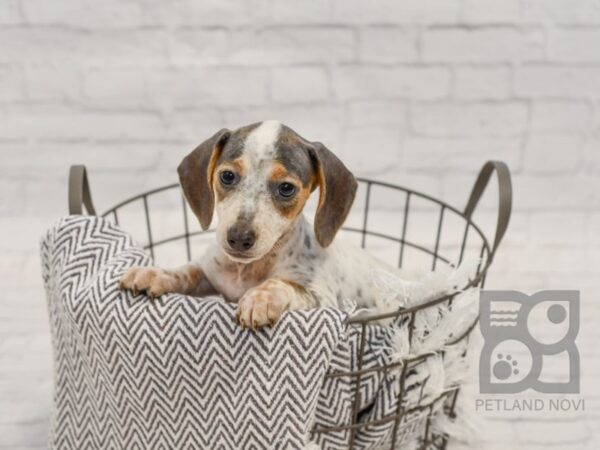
[(238, 165), (280, 173)]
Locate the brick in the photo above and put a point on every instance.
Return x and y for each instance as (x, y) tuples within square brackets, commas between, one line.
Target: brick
[(206, 87), (360, 82), (539, 81), (53, 82), (12, 391), (482, 82), (592, 404), (192, 126), (562, 11), (22, 229), (370, 150), (12, 86), (206, 13), (552, 153), (285, 45), (27, 411), (387, 45), (390, 11), (483, 44), (460, 154), (117, 88), (574, 45), (10, 13), (22, 268), (84, 13), (49, 45), (14, 438), (556, 115), (312, 11), (497, 432), (10, 202), (299, 84), (69, 124), (565, 192), (198, 46), (29, 161), (563, 433), (378, 112), (469, 119), (558, 229), (556, 263), (593, 258), (491, 11), (591, 156)]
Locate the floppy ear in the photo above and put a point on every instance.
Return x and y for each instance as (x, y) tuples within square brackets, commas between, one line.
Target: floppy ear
[(196, 175), (337, 188)]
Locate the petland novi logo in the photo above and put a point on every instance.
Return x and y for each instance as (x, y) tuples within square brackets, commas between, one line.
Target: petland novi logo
[(529, 342)]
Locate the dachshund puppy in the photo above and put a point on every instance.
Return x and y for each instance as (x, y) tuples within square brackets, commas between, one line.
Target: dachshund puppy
[(266, 257)]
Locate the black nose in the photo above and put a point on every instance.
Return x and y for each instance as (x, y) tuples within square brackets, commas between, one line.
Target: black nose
[(240, 238)]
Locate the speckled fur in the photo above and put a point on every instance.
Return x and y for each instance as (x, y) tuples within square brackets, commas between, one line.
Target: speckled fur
[(287, 267)]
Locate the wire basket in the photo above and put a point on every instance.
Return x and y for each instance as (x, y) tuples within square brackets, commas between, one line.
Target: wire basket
[(442, 245)]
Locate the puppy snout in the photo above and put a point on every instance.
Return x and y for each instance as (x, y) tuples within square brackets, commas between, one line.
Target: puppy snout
[(241, 239)]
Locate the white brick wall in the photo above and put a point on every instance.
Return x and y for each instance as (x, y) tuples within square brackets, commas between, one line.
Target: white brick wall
[(417, 92)]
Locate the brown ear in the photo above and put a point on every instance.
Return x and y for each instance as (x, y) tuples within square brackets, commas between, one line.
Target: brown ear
[(196, 174), (337, 188)]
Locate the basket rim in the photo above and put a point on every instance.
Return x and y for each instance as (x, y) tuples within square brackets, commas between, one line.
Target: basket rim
[(363, 317)]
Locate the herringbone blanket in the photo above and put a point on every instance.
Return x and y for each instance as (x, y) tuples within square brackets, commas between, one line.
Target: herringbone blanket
[(179, 373)]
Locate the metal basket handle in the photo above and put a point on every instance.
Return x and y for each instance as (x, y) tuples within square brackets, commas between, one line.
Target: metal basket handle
[(79, 191), (504, 201)]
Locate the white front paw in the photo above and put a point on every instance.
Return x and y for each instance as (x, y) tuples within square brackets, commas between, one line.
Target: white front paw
[(263, 305)]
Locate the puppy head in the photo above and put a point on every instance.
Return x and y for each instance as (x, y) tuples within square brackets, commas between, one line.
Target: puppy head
[(258, 178)]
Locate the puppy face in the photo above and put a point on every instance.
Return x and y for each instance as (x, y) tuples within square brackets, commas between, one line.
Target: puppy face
[(261, 181), (259, 177)]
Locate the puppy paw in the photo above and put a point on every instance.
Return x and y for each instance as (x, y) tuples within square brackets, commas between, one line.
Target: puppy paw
[(263, 305), (153, 281)]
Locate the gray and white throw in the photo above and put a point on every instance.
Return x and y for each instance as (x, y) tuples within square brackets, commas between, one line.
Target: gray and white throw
[(179, 373)]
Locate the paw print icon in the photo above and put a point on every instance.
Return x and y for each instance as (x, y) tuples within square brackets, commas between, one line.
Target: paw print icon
[(505, 367), (523, 336)]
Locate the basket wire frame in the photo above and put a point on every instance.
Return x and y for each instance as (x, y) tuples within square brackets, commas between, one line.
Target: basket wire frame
[(79, 196)]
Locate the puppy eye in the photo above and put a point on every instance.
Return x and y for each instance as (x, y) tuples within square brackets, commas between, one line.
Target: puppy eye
[(227, 177), (286, 190)]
